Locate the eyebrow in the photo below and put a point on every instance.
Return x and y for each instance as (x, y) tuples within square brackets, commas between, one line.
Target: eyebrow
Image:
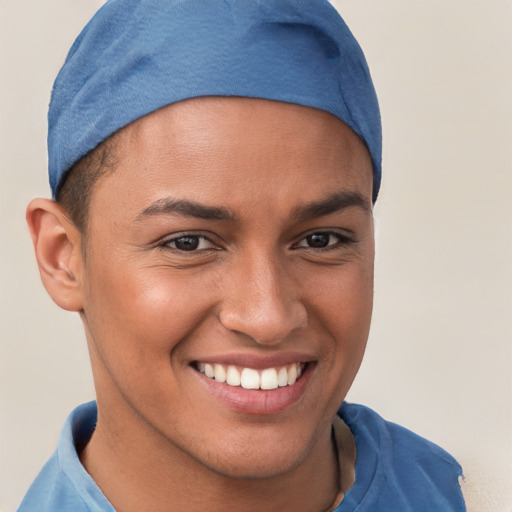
[(185, 208), (334, 203)]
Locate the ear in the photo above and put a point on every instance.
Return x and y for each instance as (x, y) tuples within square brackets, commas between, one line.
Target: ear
[(57, 244)]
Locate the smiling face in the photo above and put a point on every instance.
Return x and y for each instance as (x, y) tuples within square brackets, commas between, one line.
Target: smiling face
[(234, 240)]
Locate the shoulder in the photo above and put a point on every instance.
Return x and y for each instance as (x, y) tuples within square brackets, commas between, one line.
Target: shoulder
[(410, 472), (51, 490), (63, 483), (404, 445)]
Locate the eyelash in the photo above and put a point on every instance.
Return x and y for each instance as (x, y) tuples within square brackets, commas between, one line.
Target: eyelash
[(199, 238), (341, 240)]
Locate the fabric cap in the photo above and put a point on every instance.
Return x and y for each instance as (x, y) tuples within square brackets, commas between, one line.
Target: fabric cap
[(136, 56)]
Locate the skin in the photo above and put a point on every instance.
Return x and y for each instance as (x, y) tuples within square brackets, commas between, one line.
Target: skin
[(254, 288)]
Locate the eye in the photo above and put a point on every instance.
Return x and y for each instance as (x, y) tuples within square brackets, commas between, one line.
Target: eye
[(323, 240), (189, 243)]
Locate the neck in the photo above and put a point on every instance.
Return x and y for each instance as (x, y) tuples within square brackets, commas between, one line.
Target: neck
[(146, 472)]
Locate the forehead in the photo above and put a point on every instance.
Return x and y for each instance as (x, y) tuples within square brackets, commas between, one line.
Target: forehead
[(221, 149)]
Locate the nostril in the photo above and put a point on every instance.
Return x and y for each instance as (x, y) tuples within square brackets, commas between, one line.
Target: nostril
[(266, 326)]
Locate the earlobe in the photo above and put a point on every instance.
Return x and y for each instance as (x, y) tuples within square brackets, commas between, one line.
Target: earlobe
[(57, 245)]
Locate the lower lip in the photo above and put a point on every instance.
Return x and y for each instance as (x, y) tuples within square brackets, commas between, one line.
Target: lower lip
[(258, 401)]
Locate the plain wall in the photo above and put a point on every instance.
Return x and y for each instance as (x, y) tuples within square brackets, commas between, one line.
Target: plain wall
[(440, 352)]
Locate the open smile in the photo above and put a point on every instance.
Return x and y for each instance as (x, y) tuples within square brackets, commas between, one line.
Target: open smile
[(255, 391), (250, 378)]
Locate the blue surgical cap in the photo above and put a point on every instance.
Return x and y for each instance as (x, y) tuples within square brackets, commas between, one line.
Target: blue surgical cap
[(136, 56)]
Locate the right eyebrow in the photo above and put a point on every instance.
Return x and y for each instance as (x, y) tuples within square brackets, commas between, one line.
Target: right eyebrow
[(185, 208), (333, 203)]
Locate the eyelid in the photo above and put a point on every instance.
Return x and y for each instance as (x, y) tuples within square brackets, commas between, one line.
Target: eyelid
[(167, 241), (343, 237)]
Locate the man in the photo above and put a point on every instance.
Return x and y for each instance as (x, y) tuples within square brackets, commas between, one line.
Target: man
[(214, 165)]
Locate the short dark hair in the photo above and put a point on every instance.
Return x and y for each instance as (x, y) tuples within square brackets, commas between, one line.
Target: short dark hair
[(75, 189)]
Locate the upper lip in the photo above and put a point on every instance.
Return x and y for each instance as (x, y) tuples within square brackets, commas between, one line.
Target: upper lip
[(257, 362)]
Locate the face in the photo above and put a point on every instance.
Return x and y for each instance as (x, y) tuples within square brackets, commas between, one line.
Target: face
[(234, 241)]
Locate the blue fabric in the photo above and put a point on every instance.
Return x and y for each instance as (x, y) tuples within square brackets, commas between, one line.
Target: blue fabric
[(396, 470), (136, 56)]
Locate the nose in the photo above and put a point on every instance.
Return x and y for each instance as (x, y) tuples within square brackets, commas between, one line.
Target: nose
[(261, 301)]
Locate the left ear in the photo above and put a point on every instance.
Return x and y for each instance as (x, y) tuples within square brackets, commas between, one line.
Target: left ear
[(57, 245)]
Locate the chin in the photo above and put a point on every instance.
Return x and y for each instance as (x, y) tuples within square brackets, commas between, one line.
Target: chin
[(254, 455), (254, 468)]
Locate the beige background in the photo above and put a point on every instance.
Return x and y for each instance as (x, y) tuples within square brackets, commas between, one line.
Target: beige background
[(440, 353)]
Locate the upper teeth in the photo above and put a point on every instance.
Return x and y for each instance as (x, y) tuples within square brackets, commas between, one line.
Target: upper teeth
[(248, 378)]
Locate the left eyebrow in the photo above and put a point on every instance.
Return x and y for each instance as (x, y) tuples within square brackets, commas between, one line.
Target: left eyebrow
[(184, 208), (333, 203)]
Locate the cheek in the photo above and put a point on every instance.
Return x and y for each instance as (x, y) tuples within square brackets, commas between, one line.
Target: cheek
[(139, 315), (343, 309), (344, 296)]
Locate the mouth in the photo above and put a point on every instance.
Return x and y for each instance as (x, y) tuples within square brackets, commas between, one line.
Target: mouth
[(250, 378), (255, 386)]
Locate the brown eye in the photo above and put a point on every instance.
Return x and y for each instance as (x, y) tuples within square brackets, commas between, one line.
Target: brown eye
[(324, 240), (319, 240), (189, 243)]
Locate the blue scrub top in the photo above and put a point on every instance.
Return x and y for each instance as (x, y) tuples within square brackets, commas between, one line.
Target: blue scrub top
[(396, 470)]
